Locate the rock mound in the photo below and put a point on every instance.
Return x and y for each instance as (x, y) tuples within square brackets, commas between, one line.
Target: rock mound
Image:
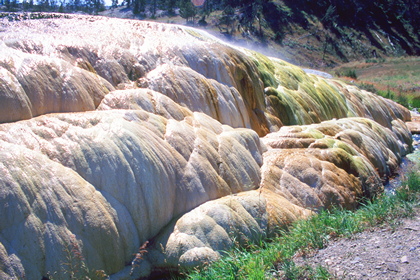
[(117, 132)]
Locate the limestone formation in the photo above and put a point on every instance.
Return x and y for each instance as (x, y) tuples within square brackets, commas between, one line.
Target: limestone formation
[(146, 170), (117, 133)]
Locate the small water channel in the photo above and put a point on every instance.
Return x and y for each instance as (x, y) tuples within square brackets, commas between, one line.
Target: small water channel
[(406, 164)]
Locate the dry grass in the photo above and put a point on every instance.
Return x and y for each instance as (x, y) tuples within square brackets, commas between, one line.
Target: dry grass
[(395, 78)]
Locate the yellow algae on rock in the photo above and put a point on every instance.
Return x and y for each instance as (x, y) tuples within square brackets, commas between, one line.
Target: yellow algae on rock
[(309, 181), (193, 91), (362, 103), (342, 161)]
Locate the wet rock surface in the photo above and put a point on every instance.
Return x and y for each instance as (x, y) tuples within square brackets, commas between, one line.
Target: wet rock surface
[(385, 252)]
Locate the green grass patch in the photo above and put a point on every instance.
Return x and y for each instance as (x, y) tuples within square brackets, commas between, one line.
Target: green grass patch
[(350, 73), (397, 79), (267, 258)]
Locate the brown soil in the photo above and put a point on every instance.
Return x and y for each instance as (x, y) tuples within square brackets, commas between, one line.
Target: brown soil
[(386, 252)]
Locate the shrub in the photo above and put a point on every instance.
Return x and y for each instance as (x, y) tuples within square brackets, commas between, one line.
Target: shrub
[(415, 102), (403, 100), (368, 87), (351, 73), (387, 94)]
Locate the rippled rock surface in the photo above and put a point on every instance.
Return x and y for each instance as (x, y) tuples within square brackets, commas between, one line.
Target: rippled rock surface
[(117, 132)]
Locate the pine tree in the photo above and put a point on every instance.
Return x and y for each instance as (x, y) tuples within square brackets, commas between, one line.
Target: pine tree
[(139, 6), (187, 11), (170, 6)]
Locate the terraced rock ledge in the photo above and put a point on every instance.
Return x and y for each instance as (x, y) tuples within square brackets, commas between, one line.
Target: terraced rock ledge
[(117, 132)]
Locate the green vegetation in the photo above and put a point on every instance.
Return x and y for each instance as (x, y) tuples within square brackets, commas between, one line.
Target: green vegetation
[(187, 11), (350, 73), (75, 266), (397, 79), (263, 260)]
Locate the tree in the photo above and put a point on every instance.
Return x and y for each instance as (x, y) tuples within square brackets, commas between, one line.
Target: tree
[(227, 21), (330, 16), (257, 11), (170, 6), (28, 5), (139, 6), (154, 8), (11, 5), (98, 6), (251, 11), (188, 11), (44, 5)]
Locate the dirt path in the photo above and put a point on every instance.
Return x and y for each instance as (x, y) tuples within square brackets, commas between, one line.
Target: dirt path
[(380, 253)]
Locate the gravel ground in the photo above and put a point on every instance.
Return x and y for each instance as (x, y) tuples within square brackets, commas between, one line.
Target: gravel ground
[(380, 253)]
